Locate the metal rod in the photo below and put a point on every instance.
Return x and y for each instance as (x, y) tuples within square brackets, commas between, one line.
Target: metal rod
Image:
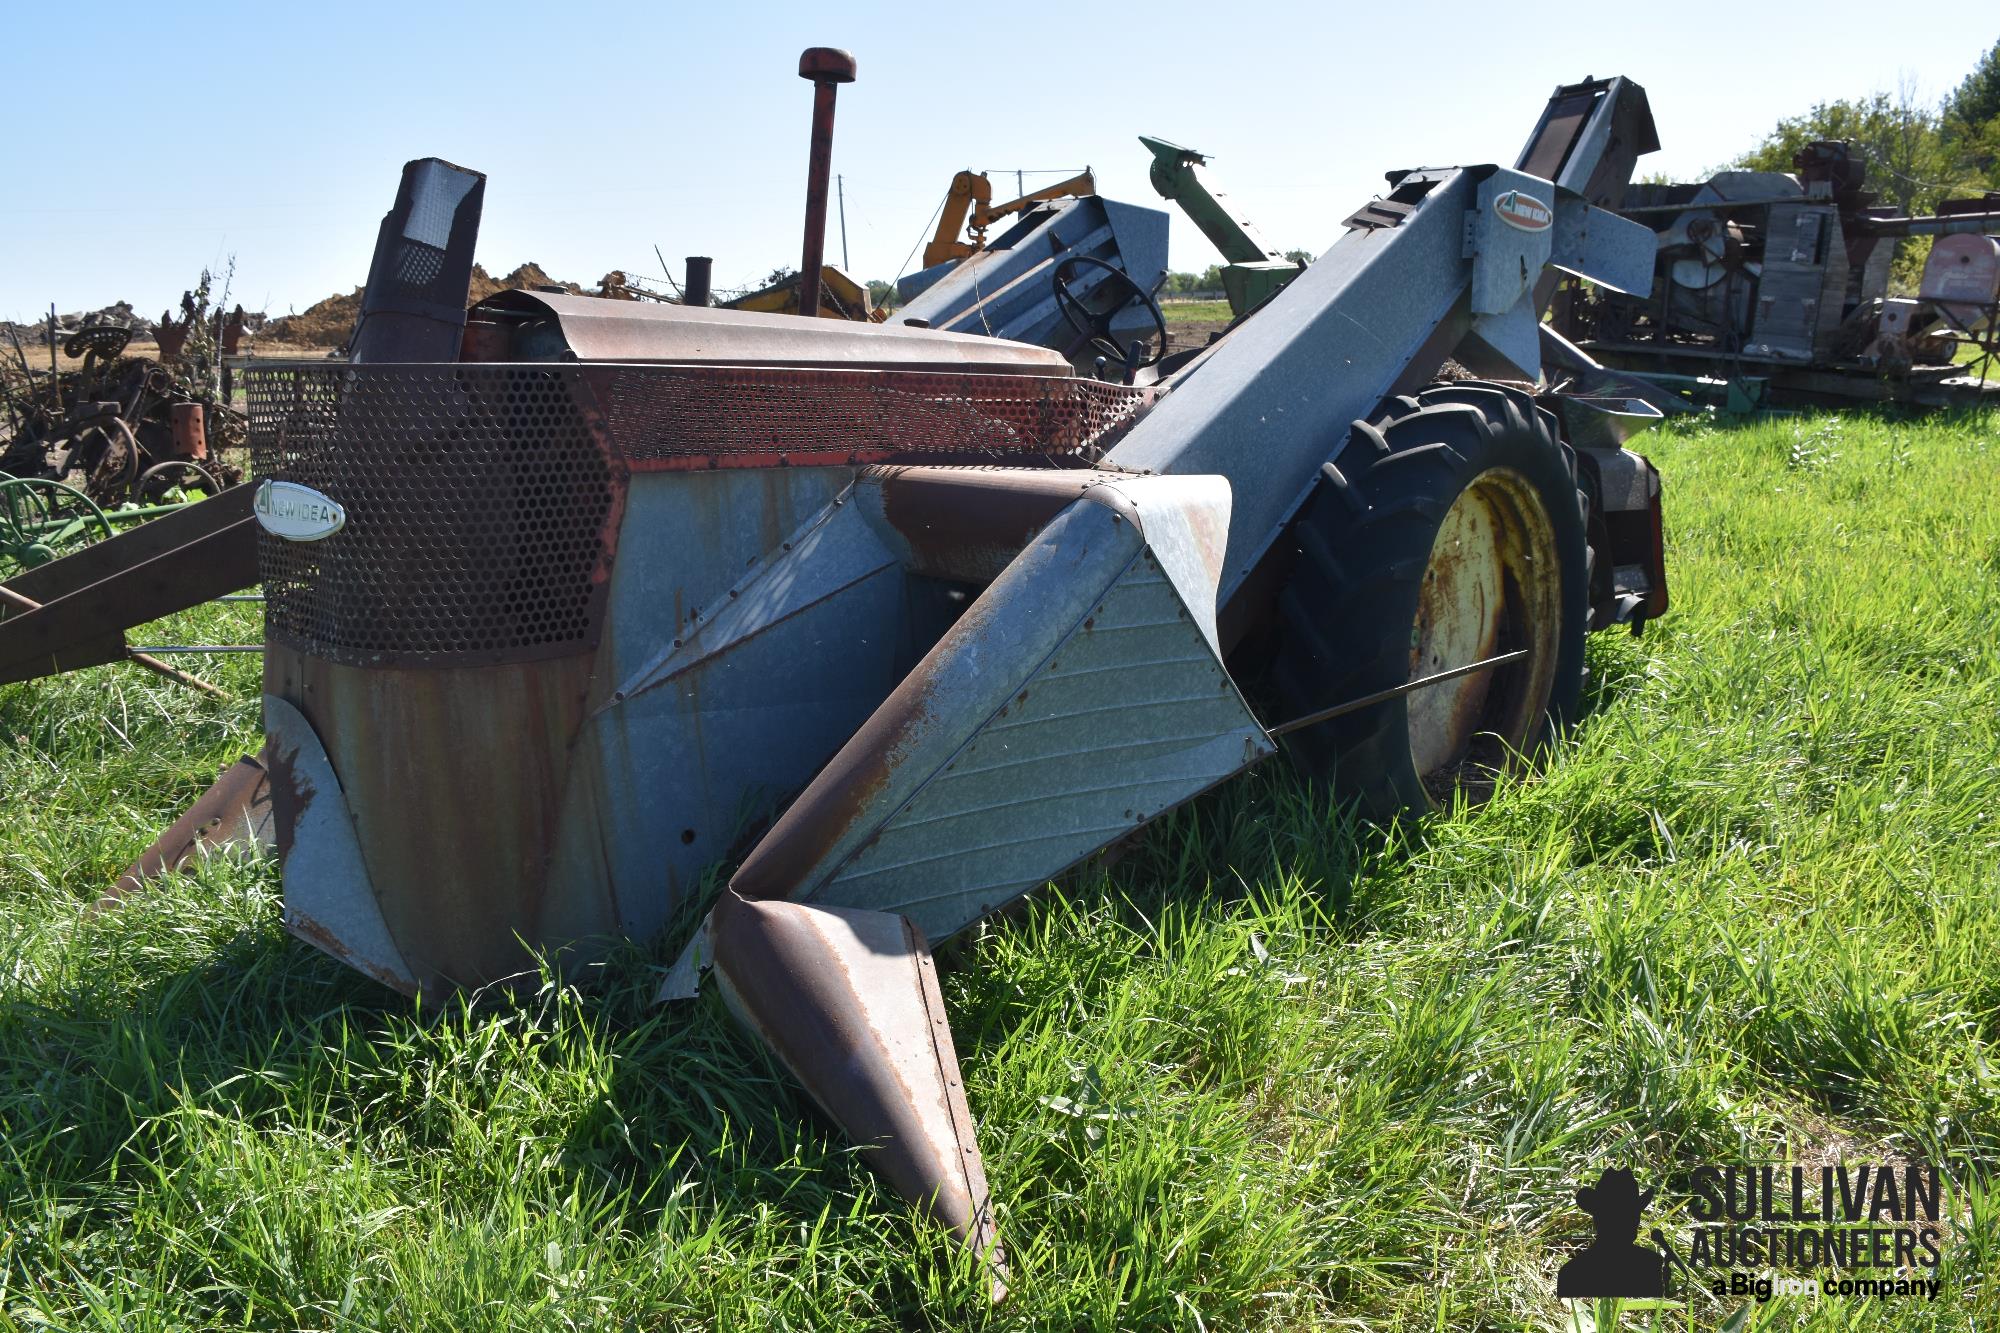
[(840, 194), (1714, 205), (110, 516), (241, 597), (55, 373), (1352, 705), (822, 156), (152, 664), (200, 648)]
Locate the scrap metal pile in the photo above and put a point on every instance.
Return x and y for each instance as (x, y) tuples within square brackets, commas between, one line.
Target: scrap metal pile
[(117, 438)]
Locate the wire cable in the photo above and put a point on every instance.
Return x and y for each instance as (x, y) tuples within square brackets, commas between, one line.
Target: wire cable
[(935, 214)]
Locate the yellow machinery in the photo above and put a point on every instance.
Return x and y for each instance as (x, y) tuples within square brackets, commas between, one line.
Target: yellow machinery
[(972, 194), (840, 297)]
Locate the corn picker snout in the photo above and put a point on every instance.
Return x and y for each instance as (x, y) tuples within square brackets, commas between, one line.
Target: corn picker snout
[(572, 600)]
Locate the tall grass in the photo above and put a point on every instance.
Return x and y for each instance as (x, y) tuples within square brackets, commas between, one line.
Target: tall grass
[(1274, 1069)]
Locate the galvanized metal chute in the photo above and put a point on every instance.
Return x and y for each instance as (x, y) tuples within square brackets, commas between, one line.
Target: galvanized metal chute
[(848, 1000)]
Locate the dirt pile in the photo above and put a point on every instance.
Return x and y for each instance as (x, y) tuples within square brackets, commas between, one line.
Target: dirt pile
[(327, 323), (119, 315), (322, 324)]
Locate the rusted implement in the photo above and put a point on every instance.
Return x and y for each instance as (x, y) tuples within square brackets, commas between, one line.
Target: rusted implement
[(232, 815), (73, 612), (593, 595), (1777, 283)]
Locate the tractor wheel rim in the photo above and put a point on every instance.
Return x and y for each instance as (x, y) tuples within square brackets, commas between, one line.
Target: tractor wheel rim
[(1493, 584)]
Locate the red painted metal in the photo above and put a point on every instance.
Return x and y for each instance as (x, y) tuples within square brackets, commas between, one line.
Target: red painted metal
[(190, 433)]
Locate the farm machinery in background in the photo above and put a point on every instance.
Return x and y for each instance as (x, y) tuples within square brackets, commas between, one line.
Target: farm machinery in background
[(968, 208), (1775, 285), (116, 440), (570, 601), (1075, 272), (1253, 270)]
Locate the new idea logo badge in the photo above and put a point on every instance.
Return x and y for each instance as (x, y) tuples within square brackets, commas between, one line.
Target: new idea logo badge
[(297, 513), (1523, 212)]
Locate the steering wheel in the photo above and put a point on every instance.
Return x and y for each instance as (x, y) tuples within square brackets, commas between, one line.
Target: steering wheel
[(1095, 328)]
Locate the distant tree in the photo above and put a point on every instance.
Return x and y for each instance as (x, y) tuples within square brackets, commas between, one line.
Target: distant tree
[(1977, 100), (1299, 256), (1911, 162), (782, 273), (1180, 284), (1972, 119), (882, 293)]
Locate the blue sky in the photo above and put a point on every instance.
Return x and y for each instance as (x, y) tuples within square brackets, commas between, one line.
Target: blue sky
[(275, 132)]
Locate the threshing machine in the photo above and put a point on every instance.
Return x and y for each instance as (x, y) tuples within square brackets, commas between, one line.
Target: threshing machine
[(1778, 283)]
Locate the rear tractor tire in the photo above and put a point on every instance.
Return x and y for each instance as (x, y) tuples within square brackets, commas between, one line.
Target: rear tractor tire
[(1446, 531)]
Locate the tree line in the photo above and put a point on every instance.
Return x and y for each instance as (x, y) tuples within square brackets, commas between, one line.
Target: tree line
[(1919, 153)]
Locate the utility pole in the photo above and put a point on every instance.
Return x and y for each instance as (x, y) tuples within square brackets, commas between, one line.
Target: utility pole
[(1020, 184), (840, 191)]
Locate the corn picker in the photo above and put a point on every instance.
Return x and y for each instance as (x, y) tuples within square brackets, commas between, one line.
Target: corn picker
[(571, 600)]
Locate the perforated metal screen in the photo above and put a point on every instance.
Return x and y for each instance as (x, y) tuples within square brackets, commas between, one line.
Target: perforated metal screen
[(677, 417), (475, 510), (479, 496)]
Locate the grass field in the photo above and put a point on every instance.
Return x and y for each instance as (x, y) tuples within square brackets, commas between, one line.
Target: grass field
[(1195, 312), (1273, 1070)]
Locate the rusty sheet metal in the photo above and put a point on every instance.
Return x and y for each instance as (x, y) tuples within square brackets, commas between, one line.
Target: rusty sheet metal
[(587, 328), (1079, 697), (849, 1001), (965, 523), (232, 816), (453, 778), (329, 900)]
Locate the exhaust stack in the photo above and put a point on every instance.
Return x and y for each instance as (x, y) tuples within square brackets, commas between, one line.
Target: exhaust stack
[(414, 306), (828, 68)]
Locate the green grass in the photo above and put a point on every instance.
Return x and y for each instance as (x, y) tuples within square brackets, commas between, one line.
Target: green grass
[(1271, 1071), (1195, 312), (1967, 354)]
